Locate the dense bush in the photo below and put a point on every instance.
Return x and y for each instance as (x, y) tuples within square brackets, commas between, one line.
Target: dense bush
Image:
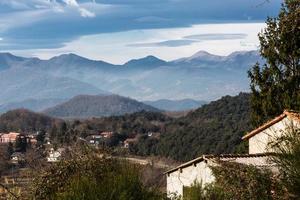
[(92, 175), (287, 159), (236, 181)]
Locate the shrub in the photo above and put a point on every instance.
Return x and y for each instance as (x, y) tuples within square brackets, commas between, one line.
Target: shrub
[(92, 175)]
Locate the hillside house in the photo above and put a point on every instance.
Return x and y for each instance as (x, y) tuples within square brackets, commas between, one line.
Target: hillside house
[(94, 140), (55, 155), (106, 134), (199, 170), (129, 141), (12, 137), (259, 139), (9, 137)]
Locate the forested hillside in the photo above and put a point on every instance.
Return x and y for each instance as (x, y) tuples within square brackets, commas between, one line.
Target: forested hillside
[(23, 120), (86, 106), (214, 128)]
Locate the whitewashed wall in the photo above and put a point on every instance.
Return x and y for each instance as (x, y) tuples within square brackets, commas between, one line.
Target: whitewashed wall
[(176, 180), (201, 173), (260, 142)]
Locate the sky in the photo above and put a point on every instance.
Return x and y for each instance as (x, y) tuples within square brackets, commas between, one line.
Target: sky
[(119, 30)]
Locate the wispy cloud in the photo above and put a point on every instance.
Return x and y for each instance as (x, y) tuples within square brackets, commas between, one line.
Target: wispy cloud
[(190, 39), (83, 11), (52, 23), (217, 36), (151, 19), (167, 43)]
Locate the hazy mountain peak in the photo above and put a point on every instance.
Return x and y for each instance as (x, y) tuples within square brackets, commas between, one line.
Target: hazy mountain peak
[(8, 60), (7, 55), (148, 60), (204, 55), (69, 56), (241, 53), (199, 58)]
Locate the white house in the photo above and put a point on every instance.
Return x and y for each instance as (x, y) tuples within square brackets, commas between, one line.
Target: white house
[(55, 156), (198, 170), (260, 138)]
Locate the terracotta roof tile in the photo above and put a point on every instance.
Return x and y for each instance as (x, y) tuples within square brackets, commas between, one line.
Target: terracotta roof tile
[(287, 113), (221, 156)]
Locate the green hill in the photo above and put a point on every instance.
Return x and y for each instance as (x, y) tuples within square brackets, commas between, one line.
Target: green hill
[(214, 128)]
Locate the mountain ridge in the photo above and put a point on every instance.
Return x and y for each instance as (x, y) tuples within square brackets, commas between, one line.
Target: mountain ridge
[(175, 105), (87, 106), (148, 78)]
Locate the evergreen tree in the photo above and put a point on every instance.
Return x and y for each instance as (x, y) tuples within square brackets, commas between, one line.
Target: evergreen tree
[(21, 144), (276, 85), (41, 137), (9, 150)]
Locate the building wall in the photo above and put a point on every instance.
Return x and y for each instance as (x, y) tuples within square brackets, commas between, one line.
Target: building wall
[(201, 173), (260, 143), (176, 180)]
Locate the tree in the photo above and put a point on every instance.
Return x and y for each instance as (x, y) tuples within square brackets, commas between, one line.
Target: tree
[(91, 174), (21, 143), (287, 158), (275, 86), (9, 150), (41, 137)]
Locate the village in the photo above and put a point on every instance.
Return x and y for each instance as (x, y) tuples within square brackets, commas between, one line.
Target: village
[(21, 146), (178, 178)]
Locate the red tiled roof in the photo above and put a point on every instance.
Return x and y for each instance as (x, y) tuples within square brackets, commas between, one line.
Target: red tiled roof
[(222, 156), (294, 115)]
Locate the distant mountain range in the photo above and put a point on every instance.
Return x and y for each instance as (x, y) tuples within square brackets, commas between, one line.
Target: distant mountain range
[(31, 104), (176, 105), (19, 84), (87, 106), (202, 76)]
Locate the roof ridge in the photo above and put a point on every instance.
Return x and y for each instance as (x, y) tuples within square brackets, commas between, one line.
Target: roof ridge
[(264, 126), (295, 115), (212, 156)]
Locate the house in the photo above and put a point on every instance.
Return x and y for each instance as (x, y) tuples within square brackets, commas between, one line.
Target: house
[(129, 141), (198, 170), (153, 134), (94, 140), (31, 139), (9, 137), (107, 134), (17, 158), (259, 139), (54, 155)]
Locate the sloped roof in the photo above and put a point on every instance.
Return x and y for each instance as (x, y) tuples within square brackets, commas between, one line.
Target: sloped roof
[(294, 115), (222, 156)]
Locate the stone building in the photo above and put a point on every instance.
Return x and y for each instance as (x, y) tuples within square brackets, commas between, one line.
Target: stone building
[(198, 170)]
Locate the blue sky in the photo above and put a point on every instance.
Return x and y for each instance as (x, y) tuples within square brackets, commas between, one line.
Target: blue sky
[(117, 30)]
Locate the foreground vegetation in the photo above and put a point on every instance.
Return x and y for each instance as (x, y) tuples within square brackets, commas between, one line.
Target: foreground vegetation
[(90, 174)]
